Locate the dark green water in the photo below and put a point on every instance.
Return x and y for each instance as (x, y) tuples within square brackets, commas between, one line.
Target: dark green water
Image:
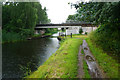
[(21, 57)]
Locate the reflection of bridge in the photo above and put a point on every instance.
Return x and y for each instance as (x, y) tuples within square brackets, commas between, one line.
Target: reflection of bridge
[(64, 25)]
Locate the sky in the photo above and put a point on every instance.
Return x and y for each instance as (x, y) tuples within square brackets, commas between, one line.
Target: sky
[(58, 10)]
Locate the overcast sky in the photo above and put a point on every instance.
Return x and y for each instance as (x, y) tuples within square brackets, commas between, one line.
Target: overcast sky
[(58, 10)]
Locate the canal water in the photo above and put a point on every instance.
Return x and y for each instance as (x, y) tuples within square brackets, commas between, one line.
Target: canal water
[(22, 57)]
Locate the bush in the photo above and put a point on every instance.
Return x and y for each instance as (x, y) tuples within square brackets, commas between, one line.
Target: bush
[(80, 31), (26, 33), (10, 36), (107, 37), (13, 36), (85, 33)]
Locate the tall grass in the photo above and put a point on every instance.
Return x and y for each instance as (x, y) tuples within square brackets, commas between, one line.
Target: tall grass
[(109, 65), (104, 43)]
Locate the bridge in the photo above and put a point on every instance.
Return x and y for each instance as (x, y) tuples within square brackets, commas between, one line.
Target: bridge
[(64, 25)]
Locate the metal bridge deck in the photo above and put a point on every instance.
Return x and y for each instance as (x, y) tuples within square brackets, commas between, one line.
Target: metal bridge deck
[(64, 25)]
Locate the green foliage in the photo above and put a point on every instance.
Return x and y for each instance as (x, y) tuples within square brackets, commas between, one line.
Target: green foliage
[(107, 38), (80, 31), (85, 67), (10, 36), (85, 33), (20, 18), (85, 12), (97, 12), (71, 17), (51, 30), (26, 33), (82, 51), (107, 15), (36, 35), (109, 65), (26, 70), (41, 13)]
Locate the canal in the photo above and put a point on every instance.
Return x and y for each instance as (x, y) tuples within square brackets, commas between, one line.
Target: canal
[(26, 56)]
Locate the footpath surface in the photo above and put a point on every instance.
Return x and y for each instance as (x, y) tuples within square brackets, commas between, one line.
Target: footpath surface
[(93, 68)]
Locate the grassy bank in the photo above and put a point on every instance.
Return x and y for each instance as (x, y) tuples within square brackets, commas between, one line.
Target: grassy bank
[(11, 37), (63, 63), (106, 62), (78, 36)]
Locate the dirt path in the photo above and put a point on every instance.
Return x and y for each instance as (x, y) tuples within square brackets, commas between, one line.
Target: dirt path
[(80, 63), (93, 67)]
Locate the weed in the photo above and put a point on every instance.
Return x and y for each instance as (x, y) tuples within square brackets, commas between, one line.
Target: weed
[(82, 51)]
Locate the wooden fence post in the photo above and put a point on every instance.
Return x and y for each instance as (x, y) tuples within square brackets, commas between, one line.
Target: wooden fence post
[(59, 33), (71, 35)]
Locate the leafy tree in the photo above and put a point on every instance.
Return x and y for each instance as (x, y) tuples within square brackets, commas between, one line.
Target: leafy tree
[(22, 17), (81, 31), (107, 16)]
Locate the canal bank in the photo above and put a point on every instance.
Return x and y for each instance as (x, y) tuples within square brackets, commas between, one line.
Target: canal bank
[(45, 35), (23, 38), (62, 64)]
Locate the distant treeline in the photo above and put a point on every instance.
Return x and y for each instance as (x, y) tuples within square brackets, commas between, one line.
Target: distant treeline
[(107, 16), (20, 18)]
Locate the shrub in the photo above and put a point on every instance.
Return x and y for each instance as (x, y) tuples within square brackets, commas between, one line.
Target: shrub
[(107, 37), (80, 31), (10, 36), (85, 33)]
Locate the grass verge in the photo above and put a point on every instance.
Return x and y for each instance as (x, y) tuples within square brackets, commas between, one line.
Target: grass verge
[(106, 62), (82, 51), (63, 63), (85, 68), (78, 36)]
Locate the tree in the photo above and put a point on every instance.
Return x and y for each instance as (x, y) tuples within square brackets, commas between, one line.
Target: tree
[(81, 31), (22, 17), (107, 16)]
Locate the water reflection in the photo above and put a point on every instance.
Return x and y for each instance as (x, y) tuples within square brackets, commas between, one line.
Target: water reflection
[(18, 57), (56, 34)]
